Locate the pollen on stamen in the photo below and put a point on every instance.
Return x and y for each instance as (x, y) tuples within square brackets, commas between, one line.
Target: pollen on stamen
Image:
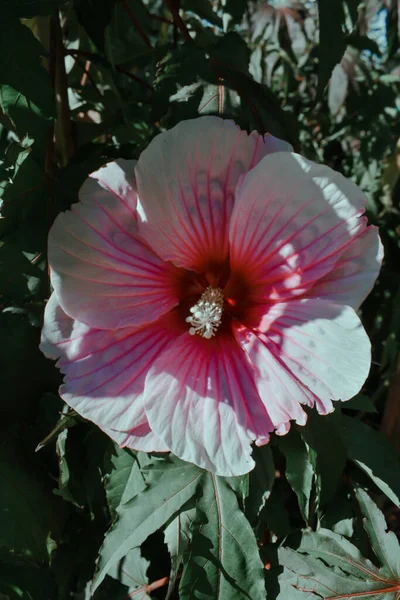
[(207, 313)]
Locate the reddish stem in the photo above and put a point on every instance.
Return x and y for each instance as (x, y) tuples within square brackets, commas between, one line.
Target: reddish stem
[(147, 589), (85, 75), (88, 75), (174, 10), (136, 23), (118, 68), (157, 584), (162, 19)]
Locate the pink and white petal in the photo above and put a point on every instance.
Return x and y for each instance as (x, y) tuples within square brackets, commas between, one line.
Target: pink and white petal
[(354, 274), (117, 177), (104, 370), (103, 273), (282, 393), (274, 144), (291, 222), (201, 400), (186, 182), (138, 438), (323, 345)]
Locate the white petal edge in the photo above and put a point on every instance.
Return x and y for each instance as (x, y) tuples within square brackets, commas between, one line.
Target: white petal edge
[(105, 371)]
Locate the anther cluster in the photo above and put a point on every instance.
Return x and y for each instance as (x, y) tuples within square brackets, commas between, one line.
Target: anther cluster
[(207, 313)]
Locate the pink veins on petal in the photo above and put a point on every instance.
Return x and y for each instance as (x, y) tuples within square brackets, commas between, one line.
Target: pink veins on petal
[(205, 294)]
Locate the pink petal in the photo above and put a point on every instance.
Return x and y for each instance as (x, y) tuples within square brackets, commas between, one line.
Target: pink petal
[(281, 392), (322, 346), (104, 275), (186, 184), (355, 273), (201, 400), (291, 222), (105, 370)]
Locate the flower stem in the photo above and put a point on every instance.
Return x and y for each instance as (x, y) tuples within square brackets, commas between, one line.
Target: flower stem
[(136, 23), (174, 10)]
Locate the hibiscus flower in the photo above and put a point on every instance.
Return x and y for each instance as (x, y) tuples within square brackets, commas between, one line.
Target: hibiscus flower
[(206, 293)]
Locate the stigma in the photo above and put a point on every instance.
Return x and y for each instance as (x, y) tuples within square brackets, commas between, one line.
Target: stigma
[(207, 313)]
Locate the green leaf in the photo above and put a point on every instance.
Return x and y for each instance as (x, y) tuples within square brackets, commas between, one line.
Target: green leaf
[(326, 451), (223, 560), (260, 108), (332, 39), (64, 472), (182, 92), (19, 354), (370, 451), (177, 82), (233, 12), (202, 8), (384, 543), (177, 536), (275, 515), (68, 419), (27, 506), (32, 8), (360, 402), (125, 479), (26, 94), (171, 484), (23, 177), (132, 573), (299, 470), (339, 514), (94, 16), (83, 456), (261, 480), (24, 580), (231, 50), (110, 588), (327, 565), (363, 42), (128, 33)]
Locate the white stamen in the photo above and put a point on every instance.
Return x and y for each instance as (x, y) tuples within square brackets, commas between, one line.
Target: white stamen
[(207, 313)]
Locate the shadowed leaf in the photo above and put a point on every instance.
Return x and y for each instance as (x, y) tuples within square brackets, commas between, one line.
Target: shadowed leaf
[(328, 566)]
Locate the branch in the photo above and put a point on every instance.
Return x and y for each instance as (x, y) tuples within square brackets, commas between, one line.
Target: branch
[(173, 8), (88, 75), (63, 129), (156, 584), (136, 23), (119, 68), (147, 589), (161, 19)]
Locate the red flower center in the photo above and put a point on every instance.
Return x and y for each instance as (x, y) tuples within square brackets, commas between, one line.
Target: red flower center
[(212, 300)]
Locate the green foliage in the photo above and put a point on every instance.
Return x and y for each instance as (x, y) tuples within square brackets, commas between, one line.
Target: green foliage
[(327, 565), (370, 451), (223, 560), (83, 82), (332, 42), (26, 96), (299, 470), (170, 485)]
